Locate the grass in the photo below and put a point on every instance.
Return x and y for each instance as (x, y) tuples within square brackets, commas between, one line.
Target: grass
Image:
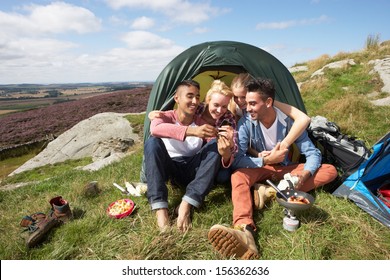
[(372, 42), (341, 95), (333, 229)]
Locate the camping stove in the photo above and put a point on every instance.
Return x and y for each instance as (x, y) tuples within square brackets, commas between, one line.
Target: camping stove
[(290, 221)]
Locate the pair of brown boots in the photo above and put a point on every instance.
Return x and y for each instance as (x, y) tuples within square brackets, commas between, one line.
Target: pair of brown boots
[(39, 224)]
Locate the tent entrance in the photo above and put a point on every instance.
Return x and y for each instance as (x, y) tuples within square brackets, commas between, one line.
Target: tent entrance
[(207, 75)]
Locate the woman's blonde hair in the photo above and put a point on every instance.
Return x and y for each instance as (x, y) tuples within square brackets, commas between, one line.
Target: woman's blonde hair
[(220, 87), (240, 80)]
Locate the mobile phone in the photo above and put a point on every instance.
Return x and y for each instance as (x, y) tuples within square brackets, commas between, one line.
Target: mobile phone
[(225, 122)]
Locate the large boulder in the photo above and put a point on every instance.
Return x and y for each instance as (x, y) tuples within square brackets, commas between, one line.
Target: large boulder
[(104, 137), (382, 66)]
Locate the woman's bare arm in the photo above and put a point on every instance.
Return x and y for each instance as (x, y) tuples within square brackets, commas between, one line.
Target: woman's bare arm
[(301, 122)]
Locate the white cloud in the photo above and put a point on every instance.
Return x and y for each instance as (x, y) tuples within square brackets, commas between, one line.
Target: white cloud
[(145, 40), (201, 30), (150, 4), (118, 21), (133, 63), (182, 11), (32, 52), (58, 17), (50, 61), (142, 23), (31, 49), (28, 51), (291, 23), (274, 48), (30, 60), (61, 17)]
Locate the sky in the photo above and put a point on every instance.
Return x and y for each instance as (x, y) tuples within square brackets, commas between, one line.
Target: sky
[(91, 41)]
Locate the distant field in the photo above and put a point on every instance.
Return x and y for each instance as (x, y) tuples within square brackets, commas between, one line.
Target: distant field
[(4, 112), (35, 120), (14, 98), (14, 105), (9, 106)]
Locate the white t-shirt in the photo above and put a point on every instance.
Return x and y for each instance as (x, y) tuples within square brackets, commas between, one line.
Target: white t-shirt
[(270, 134), (189, 147)]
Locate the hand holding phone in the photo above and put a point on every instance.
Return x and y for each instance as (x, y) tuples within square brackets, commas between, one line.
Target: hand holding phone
[(225, 122)]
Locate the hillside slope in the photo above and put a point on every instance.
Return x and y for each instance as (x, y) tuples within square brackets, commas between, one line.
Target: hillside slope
[(39, 124)]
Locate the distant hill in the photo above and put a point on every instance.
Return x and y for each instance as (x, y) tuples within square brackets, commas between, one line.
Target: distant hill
[(43, 123)]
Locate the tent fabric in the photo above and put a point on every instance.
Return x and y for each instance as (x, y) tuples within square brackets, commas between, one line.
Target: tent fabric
[(220, 60), (361, 187)]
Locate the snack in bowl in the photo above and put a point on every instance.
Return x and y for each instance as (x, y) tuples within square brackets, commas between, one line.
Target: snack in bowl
[(298, 199), (120, 208)]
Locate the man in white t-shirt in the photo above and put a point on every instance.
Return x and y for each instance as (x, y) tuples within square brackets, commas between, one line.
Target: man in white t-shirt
[(261, 157), (178, 150)]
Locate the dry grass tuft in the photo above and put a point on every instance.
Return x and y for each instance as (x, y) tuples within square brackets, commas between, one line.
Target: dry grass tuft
[(318, 63)]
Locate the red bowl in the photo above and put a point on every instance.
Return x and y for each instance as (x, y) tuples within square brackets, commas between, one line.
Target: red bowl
[(120, 208)]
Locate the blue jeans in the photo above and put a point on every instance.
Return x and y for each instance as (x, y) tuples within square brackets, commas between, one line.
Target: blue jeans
[(196, 172), (223, 176)]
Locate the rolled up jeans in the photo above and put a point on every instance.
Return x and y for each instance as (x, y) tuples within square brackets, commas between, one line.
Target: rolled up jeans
[(197, 173)]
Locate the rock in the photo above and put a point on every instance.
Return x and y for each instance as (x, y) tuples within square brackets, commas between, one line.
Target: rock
[(382, 66), (300, 68), (96, 165), (83, 140), (108, 147), (382, 102), (333, 65), (92, 189)]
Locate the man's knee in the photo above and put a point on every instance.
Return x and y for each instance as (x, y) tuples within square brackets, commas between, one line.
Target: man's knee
[(238, 177), (331, 171), (153, 144)]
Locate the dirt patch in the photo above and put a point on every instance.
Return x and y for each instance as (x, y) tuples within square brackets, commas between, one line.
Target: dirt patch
[(4, 112)]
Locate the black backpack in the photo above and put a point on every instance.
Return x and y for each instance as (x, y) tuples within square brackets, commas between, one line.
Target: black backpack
[(345, 152)]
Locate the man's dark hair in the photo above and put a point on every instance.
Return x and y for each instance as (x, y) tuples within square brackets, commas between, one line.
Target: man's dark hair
[(263, 86), (189, 83)]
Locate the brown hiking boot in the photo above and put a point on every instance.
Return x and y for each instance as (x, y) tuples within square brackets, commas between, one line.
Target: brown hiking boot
[(235, 242), (261, 194), (60, 209), (38, 225), (32, 219), (39, 231)]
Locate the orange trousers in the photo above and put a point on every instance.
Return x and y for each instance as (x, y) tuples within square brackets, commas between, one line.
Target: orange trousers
[(244, 178)]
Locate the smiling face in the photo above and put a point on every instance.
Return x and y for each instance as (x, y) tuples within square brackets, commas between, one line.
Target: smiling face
[(218, 98), (256, 106), (239, 97), (218, 105), (187, 99), (239, 90)]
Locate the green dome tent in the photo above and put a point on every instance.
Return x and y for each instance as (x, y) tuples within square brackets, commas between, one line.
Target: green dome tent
[(219, 60)]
